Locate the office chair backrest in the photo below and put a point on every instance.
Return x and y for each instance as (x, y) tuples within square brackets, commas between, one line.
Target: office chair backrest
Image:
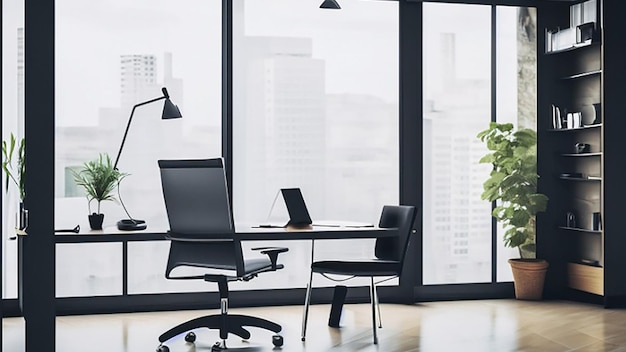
[(402, 217), (198, 210)]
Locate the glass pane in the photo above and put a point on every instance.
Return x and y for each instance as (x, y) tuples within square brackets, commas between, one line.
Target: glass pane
[(113, 54), (146, 271), (457, 105), (88, 269), (12, 123), (315, 107), (516, 92)]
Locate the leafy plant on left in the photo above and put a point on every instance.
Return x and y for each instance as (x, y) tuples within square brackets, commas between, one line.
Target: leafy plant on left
[(99, 179), (13, 163)]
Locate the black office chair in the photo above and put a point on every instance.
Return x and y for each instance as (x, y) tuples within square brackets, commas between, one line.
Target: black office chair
[(389, 252), (202, 235)]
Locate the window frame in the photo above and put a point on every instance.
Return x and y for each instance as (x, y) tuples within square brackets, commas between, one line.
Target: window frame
[(41, 157)]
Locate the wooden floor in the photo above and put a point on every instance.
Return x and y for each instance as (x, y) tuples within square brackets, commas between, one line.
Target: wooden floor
[(487, 325)]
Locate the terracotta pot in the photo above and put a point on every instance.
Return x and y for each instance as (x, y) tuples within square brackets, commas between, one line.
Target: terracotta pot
[(529, 276), (95, 221)]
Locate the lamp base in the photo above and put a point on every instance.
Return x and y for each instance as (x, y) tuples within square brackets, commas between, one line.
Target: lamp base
[(131, 225)]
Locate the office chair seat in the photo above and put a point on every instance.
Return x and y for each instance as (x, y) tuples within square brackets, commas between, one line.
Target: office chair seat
[(358, 268), (252, 266)]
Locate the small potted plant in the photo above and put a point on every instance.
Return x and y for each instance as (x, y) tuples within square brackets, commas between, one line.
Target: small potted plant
[(13, 165), (512, 184), (99, 179)]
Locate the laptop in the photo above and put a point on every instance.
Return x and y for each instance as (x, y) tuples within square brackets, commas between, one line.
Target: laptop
[(296, 207)]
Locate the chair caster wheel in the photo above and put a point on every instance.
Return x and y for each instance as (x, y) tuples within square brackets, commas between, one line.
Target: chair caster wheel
[(190, 337), (277, 340), (217, 347), (163, 348)]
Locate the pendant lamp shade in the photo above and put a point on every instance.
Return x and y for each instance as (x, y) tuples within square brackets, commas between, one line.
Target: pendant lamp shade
[(330, 4)]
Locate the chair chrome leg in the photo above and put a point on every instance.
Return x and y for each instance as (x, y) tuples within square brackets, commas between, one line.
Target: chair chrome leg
[(380, 319), (373, 300), (307, 301)]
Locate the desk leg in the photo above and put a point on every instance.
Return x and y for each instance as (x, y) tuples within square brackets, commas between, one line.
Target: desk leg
[(339, 297)]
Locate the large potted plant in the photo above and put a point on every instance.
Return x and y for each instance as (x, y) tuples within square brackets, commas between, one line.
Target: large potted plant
[(512, 184), (99, 179), (13, 165)]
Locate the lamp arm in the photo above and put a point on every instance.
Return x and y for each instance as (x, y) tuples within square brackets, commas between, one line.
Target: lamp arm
[(130, 119)]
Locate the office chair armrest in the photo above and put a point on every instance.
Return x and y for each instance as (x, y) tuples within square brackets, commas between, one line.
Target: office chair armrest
[(272, 253)]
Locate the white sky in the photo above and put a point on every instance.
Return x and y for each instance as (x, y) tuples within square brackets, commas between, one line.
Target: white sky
[(359, 44)]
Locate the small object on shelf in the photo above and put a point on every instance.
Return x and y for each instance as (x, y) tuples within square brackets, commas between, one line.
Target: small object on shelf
[(590, 262), (596, 221), (570, 219), (578, 119), (574, 120), (597, 117), (580, 148), (572, 175), (585, 33)]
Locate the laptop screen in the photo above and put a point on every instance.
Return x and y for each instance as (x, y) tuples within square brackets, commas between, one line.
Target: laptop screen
[(298, 213)]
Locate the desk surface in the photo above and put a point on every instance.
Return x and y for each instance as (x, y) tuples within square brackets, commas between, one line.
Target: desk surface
[(243, 232)]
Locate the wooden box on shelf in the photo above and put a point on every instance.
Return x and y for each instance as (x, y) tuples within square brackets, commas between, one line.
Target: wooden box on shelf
[(586, 278)]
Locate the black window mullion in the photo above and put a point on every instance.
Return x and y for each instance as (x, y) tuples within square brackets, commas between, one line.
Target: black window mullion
[(227, 92), (494, 97)]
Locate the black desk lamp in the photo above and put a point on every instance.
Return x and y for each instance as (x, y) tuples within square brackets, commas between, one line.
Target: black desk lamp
[(170, 111)]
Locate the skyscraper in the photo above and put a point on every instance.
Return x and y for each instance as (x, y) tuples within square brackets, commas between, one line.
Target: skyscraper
[(282, 86)]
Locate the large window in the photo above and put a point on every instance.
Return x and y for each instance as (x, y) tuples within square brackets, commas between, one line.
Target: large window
[(457, 105), (12, 122), (315, 106), (111, 55), (516, 93), (457, 99)]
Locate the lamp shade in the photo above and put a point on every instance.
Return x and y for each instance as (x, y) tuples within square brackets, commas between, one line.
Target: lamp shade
[(330, 4), (170, 111)]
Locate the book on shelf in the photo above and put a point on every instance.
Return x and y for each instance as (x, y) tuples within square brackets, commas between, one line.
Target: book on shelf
[(556, 118), (576, 15), (548, 34), (589, 11)]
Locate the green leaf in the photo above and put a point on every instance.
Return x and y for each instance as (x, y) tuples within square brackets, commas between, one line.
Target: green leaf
[(14, 169), (99, 179), (513, 182)]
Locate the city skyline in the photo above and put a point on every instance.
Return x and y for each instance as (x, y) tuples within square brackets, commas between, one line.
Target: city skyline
[(289, 107)]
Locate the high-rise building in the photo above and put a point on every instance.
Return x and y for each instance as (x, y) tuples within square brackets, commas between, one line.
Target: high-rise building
[(138, 78), (139, 82), (283, 121), (458, 219)]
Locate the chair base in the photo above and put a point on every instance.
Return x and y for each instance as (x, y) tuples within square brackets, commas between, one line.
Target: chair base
[(227, 324)]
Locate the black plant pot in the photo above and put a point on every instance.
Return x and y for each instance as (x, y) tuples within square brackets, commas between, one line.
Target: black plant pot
[(95, 221)]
